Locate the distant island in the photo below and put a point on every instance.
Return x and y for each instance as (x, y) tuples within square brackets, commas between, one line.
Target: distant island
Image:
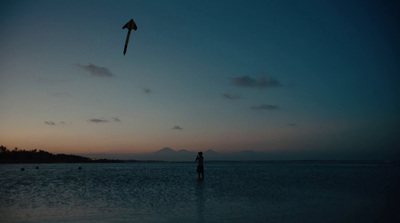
[(35, 156), (163, 155)]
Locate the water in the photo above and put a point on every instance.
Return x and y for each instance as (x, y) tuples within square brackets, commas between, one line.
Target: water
[(170, 192)]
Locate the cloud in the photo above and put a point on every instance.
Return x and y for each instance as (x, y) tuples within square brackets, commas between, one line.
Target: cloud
[(247, 81), (292, 124), (96, 71), (265, 107), (49, 123), (147, 90), (103, 120), (98, 120), (177, 127), (54, 123), (116, 119), (230, 96)]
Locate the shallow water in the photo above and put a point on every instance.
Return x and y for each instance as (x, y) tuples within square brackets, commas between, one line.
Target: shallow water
[(170, 192)]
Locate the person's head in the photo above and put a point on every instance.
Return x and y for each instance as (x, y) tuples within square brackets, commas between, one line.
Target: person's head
[(200, 153)]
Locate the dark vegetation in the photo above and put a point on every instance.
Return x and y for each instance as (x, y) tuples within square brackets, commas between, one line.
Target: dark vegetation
[(35, 156)]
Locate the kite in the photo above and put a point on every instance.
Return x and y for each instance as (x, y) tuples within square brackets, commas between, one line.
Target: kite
[(130, 25)]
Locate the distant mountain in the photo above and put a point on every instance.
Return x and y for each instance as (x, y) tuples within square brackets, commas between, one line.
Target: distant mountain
[(184, 151), (212, 155), (165, 151), (168, 154)]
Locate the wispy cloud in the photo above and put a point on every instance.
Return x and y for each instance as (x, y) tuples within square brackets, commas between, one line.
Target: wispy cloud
[(230, 96), (265, 107), (247, 81), (177, 127), (103, 120), (116, 119), (49, 123), (54, 123), (147, 90), (98, 120), (96, 71), (292, 124)]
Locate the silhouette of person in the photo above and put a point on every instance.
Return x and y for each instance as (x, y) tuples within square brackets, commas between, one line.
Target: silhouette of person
[(200, 166)]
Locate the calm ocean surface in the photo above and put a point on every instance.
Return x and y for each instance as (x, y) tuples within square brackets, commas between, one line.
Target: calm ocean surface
[(170, 192)]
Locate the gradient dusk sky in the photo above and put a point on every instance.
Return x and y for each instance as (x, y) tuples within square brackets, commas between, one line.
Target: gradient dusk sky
[(310, 77)]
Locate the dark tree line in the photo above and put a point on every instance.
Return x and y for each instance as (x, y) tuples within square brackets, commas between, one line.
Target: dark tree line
[(35, 156)]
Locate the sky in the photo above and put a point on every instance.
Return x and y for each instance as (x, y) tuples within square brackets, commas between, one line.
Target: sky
[(315, 78)]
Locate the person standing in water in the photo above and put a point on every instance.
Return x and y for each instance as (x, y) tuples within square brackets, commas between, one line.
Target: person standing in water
[(200, 167)]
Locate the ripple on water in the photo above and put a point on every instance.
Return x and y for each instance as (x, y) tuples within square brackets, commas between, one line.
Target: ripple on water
[(162, 192)]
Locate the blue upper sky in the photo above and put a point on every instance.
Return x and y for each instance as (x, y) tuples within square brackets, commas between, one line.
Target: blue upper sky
[(316, 78)]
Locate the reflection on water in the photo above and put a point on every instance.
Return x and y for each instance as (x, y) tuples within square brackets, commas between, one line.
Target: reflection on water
[(200, 200), (170, 192)]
